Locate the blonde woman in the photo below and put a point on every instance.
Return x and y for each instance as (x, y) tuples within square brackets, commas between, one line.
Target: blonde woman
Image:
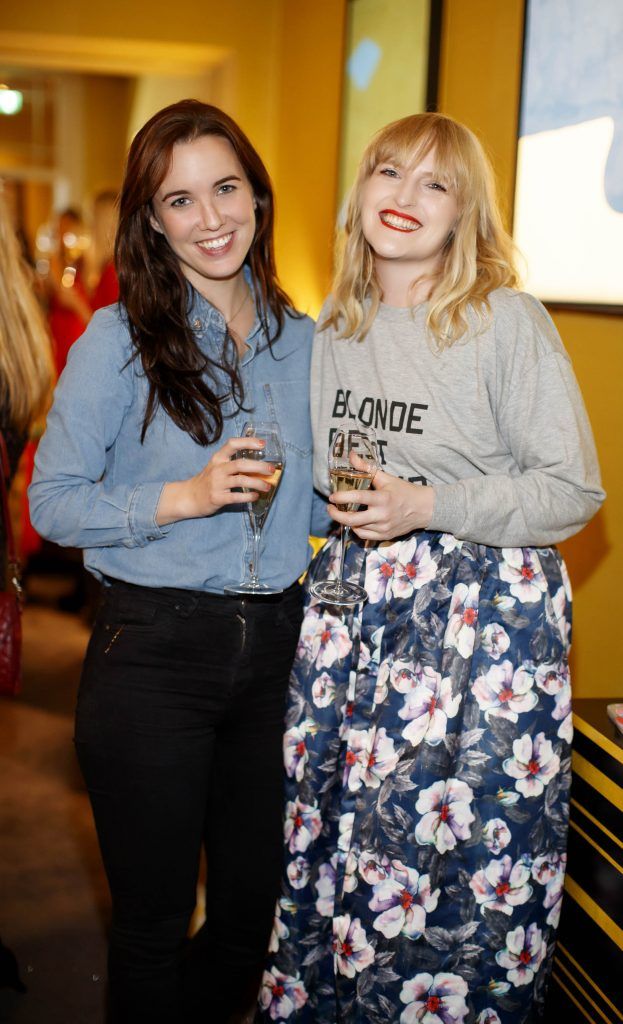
[(427, 748), (25, 358)]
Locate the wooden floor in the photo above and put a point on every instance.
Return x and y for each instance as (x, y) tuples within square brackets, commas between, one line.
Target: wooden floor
[(53, 897)]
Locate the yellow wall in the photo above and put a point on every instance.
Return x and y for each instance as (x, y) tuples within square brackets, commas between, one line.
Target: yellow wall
[(309, 107), (107, 101), (479, 85), (400, 30)]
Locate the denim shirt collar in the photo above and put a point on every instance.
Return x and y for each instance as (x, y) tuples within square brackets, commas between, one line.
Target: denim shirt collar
[(208, 321)]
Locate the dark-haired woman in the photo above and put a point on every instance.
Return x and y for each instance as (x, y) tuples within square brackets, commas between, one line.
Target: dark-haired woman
[(181, 701)]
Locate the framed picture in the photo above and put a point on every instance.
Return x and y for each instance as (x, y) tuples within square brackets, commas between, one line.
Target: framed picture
[(568, 222), (392, 62)]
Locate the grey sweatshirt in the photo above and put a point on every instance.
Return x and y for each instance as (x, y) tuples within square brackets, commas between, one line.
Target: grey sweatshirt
[(495, 423)]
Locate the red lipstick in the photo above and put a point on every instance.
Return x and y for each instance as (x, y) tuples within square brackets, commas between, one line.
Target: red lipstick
[(384, 214)]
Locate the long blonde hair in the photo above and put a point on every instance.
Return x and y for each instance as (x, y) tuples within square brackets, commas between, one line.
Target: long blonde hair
[(478, 256), (25, 354)]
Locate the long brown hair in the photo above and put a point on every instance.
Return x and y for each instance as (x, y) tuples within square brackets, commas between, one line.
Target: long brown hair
[(153, 289), (26, 372), (478, 256)]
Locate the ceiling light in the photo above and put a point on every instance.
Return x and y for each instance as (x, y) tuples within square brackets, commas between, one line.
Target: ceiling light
[(11, 100)]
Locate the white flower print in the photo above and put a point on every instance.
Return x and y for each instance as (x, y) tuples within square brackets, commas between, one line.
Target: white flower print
[(562, 710), (427, 709), (521, 568), (350, 872), (445, 807), (560, 601), (502, 885), (325, 887), (373, 869), (497, 988), (506, 797), (548, 866), (280, 931), (403, 899), (434, 1000), (345, 827), (370, 757), (449, 542), (552, 678), (281, 994), (549, 870), (323, 690), (496, 835), (405, 676), (525, 949), (303, 824), (553, 899), (380, 688), (505, 692), (380, 567), (325, 638), (414, 567), (494, 640), (534, 764), (463, 618), (295, 753), (352, 952), (503, 602), (298, 872), (488, 1016)]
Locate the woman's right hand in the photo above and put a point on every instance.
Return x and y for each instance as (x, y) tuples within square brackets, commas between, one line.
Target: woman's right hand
[(215, 485)]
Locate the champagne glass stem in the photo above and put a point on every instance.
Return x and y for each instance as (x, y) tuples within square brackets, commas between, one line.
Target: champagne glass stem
[(255, 564), (343, 542)]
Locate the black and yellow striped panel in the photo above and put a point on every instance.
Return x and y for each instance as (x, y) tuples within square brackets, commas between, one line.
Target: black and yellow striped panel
[(587, 976)]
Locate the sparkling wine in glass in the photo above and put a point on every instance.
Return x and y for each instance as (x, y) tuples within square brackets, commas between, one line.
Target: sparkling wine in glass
[(272, 452), (353, 461)]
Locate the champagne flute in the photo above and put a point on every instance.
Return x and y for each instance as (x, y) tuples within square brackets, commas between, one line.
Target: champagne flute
[(353, 461), (273, 452)]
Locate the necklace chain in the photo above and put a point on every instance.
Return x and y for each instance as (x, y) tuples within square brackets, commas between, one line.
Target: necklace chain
[(247, 295)]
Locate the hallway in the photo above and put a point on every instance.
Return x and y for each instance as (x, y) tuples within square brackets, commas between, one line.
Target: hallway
[(53, 896)]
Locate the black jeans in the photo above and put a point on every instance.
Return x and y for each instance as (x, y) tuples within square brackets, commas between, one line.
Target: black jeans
[(178, 733)]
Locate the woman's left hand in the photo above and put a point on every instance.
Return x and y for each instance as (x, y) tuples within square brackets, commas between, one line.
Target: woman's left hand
[(394, 507)]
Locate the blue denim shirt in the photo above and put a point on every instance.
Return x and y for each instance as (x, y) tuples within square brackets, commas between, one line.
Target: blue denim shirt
[(97, 487)]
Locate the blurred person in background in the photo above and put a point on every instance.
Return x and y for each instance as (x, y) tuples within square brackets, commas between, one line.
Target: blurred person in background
[(69, 308), (103, 282), (26, 373), (26, 376)]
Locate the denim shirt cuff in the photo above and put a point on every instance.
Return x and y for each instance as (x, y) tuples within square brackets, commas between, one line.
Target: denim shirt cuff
[(142, 514)]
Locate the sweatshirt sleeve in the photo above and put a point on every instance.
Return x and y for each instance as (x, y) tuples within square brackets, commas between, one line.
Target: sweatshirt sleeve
[(541, 417), (72, 499)]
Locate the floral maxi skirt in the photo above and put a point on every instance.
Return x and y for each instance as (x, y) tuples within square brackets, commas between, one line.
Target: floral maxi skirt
[(427, 753)]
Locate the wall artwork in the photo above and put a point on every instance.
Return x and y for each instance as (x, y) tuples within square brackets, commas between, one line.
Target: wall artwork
[(392, 50), (568, 221)]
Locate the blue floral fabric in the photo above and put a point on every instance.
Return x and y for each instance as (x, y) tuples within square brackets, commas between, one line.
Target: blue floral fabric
[(427, 754)]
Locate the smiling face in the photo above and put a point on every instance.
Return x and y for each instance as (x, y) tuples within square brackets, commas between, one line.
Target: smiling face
[(205, 208), (407, 215)]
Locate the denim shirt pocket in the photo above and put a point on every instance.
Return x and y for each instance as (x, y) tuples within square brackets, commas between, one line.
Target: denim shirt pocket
[(287, 402)]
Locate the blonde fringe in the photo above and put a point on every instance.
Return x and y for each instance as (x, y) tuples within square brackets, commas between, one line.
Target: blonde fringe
[(26, 372), (478, 259)]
